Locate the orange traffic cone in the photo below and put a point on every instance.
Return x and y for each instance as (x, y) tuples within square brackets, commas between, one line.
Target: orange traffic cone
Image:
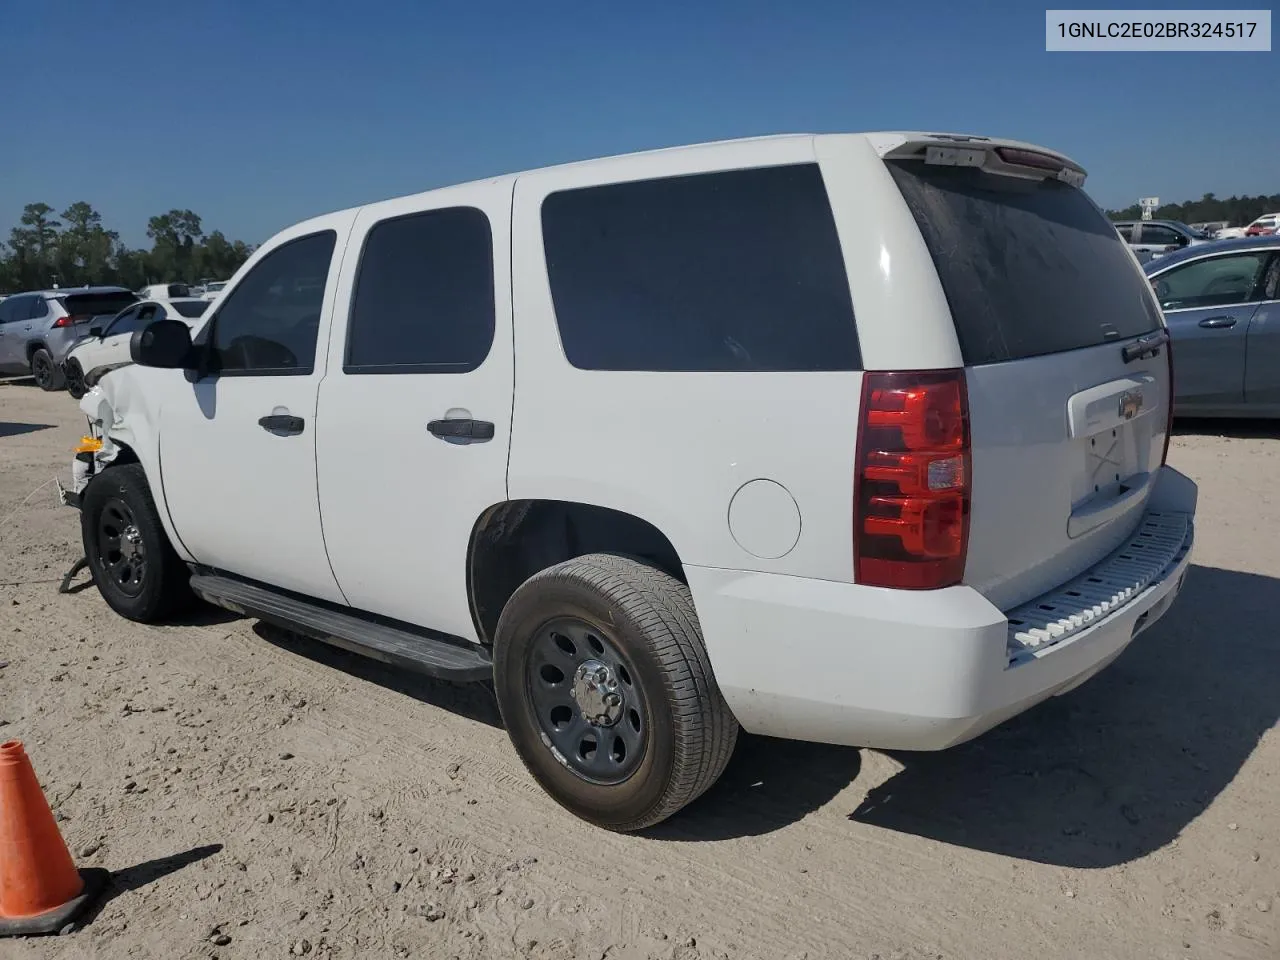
[(40, 888)]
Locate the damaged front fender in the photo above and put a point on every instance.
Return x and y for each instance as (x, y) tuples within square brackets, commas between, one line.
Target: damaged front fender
[(123, 411)]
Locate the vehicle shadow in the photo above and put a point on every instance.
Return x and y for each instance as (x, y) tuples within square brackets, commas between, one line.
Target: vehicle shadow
[(769, 784), (1117, 768), (1237, 429), (22, 381), (8, 429), (475, 701)]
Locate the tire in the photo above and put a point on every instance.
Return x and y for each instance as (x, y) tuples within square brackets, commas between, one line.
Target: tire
[(45, 372), (74, 375), (137, 571), (675, 729)]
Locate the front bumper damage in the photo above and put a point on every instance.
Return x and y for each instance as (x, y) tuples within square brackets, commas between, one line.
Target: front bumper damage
[(92, 455)]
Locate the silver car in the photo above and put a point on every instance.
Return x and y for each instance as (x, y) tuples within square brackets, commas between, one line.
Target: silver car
[(1221, 301), (1150, 239), (38, 328)]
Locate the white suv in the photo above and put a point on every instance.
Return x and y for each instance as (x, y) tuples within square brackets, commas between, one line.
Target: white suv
[(849, 438)]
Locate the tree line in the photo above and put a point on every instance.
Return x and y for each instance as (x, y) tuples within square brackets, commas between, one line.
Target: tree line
[(1236, 211), (75, 248)]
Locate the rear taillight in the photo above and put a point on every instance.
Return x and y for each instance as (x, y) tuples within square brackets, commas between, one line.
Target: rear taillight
[(1168, 426), (70, 321), (912, 480)]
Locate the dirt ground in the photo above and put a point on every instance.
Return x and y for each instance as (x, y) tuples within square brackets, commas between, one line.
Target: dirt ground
[(256, 795)]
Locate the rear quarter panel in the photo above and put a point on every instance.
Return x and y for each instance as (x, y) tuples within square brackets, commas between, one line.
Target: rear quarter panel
[(674, 448)]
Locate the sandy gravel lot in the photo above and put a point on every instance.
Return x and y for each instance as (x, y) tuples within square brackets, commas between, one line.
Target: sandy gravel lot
[(261, 796)]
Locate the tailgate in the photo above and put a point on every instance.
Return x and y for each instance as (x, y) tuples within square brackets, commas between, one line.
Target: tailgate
[(1067, 425), (1065, 450)]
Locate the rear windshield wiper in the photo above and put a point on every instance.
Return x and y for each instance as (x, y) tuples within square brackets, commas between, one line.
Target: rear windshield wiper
[(1145, 347)]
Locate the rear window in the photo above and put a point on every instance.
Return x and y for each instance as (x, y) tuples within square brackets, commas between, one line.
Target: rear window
[(1029, 267), (732, 271), (97, 304), (193, 309)]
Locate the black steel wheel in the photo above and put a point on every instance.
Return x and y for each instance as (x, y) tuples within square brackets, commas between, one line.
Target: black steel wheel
[(587, 702), (121, 553), (74, 375), (134, 566), (607, 693), (44, 371)]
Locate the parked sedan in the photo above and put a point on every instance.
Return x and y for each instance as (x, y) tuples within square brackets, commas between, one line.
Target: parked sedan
[(107, 347), (1222, 304)]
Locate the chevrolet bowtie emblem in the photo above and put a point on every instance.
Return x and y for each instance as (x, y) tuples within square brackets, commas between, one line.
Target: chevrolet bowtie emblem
[(1130, 404)]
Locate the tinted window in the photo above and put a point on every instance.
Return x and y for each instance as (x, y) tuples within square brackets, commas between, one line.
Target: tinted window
[(724, 271), (1029, 267), (191, 308), (97, 304), (126, 322), (13, 309), (1159, 234), (1212, 283), (424, 295), (39, 308), (1125, 230), (268, 323)]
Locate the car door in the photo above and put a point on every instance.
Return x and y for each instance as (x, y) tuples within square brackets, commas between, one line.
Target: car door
[(13, 317), (239, 444), (1262, 346), (114, 347), (1208, 303), (415, 412), (93, 352)]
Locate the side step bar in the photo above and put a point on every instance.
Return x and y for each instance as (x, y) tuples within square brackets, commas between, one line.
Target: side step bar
[(435, 654)]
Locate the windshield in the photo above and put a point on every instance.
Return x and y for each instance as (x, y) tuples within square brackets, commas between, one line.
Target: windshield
[(97, 304), (1029, 267), (191, 308), (214, 287)]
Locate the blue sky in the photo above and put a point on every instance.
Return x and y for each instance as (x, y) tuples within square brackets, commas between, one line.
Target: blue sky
[(259, 114)]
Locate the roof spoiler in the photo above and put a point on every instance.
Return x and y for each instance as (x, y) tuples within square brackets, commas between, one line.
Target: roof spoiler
[(1005, 157)]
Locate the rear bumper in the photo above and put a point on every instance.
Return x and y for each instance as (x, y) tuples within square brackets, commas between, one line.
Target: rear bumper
[(841, 663)]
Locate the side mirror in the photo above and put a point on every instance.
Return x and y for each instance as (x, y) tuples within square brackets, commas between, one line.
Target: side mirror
[(162, 343), (95, 332)]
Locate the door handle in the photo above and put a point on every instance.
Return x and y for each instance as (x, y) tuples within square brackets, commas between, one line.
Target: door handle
[(1218, 323), (461, 431), (281, 423)]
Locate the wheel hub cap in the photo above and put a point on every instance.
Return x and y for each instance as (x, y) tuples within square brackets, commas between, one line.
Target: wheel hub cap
[(131, 543), (595, 689)]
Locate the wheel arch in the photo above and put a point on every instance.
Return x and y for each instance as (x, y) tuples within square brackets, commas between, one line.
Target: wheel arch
[(513, 540)]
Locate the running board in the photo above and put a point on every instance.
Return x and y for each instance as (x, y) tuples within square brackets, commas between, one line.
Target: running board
[(435, 654)]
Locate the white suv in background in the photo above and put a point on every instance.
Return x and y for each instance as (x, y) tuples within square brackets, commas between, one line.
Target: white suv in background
[(817, 436)]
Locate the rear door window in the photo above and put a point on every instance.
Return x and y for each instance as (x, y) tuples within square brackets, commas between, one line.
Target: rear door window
[(1029, 267), (39, 308), (424, 299), (733, 271), (13, 309)]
